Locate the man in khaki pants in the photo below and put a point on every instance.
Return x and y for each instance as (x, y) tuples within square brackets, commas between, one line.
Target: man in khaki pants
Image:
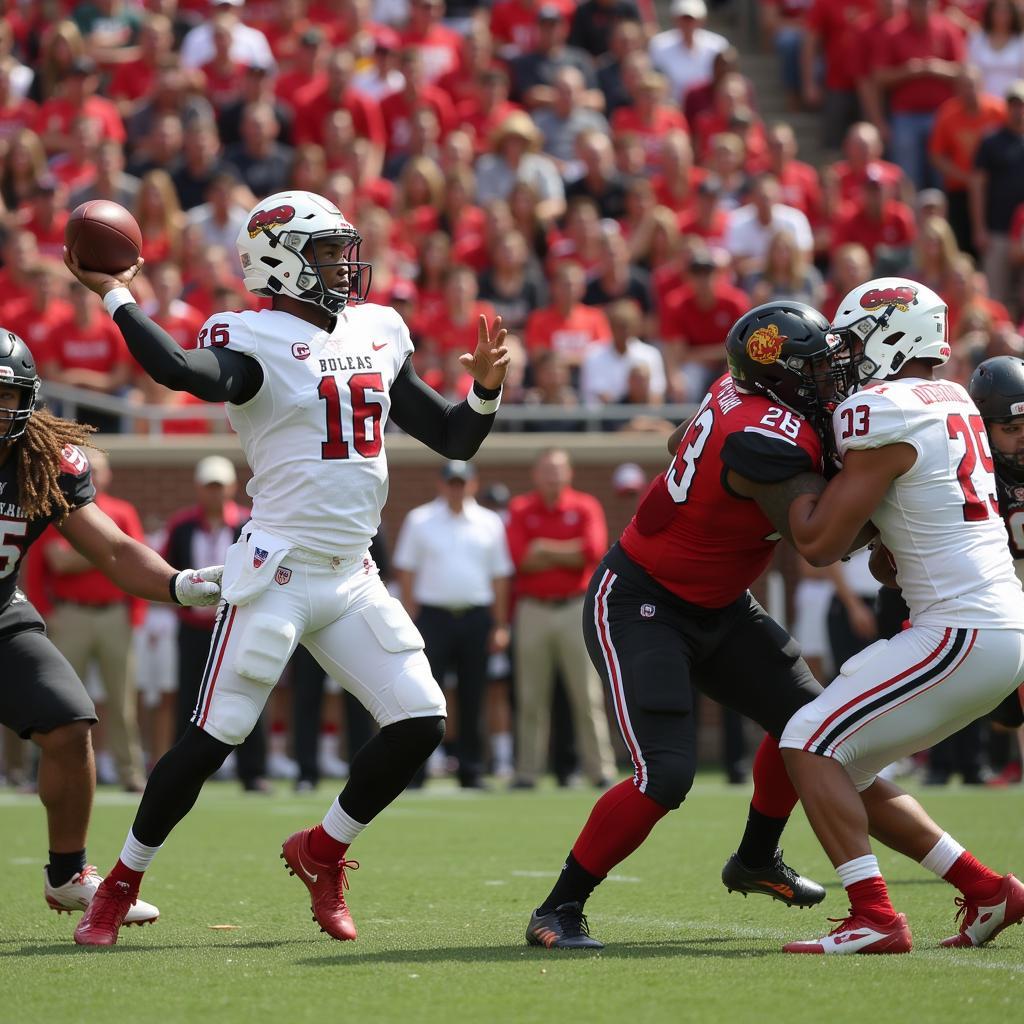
[(556, 537), (90, 621)]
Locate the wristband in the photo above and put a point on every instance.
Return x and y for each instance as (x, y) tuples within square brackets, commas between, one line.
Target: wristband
[(173, 581), (483, 400), (116, 298)]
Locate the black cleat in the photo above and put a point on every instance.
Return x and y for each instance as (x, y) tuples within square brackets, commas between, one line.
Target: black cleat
[(565, 927), (777, 880)]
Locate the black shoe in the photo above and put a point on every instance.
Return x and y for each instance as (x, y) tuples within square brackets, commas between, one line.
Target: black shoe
[(475, 783), (777, 880), (565, 927), (522, 784)]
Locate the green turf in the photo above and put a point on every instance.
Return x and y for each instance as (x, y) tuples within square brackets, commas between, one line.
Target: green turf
[(446, 887)]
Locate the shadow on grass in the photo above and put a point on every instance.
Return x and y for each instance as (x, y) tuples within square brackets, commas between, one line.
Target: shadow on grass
[(54, 948), (668, 948)]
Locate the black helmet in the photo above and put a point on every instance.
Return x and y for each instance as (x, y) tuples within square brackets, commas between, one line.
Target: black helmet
[(17, 370), (770, 352), (997, 387)]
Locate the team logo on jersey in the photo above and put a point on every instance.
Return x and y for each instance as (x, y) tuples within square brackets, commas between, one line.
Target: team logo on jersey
[(259, 556), (765, 344), (902, 297), (282, 576), (647, 611), (274, 218), (300, 350)]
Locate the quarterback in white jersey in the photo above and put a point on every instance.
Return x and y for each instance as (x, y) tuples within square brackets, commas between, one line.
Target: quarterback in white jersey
[(310, 385), (916, 464)]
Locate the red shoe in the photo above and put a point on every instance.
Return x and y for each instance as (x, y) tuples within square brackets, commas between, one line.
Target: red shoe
[(105, 914), (982, 921), (859, 935), (1009, 776), (326, 884)]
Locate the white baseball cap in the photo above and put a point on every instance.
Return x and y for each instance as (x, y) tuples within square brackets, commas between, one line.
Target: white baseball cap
[(689, 8), (215, 469)]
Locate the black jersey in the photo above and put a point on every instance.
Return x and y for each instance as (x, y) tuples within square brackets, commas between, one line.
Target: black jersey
[(1011, 508), (18, 533)]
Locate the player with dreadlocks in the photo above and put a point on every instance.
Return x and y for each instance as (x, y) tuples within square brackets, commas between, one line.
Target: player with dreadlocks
[(45, 478)]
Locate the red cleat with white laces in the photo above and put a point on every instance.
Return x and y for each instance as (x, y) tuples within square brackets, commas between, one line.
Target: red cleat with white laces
[(105, 914), (326, 884), (982, 920), (859, 935)]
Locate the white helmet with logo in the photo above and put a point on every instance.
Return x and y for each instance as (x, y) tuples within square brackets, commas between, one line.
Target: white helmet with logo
[(894, 320), (277, 258)]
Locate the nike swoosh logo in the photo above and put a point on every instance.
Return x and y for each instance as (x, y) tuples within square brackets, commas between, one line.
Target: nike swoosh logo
[(310, 876), (377, 348), (850, 937)]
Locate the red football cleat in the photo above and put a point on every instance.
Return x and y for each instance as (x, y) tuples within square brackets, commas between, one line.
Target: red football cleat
[(326, 884), (859, 935), (105, 914), (982, 920)]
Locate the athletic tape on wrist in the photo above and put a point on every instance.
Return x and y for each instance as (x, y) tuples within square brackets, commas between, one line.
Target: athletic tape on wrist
[(116, 298), (484, 406)]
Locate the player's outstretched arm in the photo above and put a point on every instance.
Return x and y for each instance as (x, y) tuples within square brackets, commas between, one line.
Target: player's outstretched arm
[(775, 499), (212, 374), (454, 430), (135, 568)]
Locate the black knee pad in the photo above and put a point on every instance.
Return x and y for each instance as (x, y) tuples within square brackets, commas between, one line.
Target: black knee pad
[(419, 736), (668, 781), (200, 751)]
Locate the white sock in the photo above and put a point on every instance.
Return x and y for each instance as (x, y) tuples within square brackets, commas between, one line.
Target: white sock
[(338, 825), (501, 747), (942, 856), (136, 855), (858, 869)]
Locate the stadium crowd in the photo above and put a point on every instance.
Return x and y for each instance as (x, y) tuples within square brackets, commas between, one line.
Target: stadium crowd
[(601, 180)]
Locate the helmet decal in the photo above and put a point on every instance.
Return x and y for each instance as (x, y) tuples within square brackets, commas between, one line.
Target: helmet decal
[(269, 219), (765, 344), (901, 296)]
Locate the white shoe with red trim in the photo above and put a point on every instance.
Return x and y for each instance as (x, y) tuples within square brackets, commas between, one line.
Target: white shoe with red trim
[(858, 934), (77, 894), (980, 922)]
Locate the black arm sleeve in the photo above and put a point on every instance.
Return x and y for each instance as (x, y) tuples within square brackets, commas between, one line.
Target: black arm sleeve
[(454, 431), (212, 374), (764, 460)]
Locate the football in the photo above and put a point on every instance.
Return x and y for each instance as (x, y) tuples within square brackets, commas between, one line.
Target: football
[(104, 236)]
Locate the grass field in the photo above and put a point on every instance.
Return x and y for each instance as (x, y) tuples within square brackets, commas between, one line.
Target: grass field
[(447, 883)]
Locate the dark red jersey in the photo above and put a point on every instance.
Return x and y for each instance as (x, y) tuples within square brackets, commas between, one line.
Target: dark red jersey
[(691, 533)]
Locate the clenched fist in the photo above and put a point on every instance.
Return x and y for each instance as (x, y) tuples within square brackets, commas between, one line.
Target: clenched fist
[(198, 587)]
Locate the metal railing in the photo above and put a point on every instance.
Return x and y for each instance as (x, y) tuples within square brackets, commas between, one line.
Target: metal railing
[(590, 418)]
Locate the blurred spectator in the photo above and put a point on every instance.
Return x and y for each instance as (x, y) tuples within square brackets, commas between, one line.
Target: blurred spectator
[(960, 125), (919, 58), (20, 255), (851, 266), (798, 182), (513, 284), (701, 98), (566, 119), (551, 386), (617, 278), (264, 162), (533, 73), (248, 45), (935, 252), (599, 179), (33, 318), (206, 530), (787, 274), (161, 148), (862, 152), (852, 624), (20, 75), (220, 218), (24, 164), (16, 112), (400, 110), (180, 320), (649, 117), (85, 350), (752, 227), (707, 219), (453, 329), (437, 44), (566, 326), (604, 375), (45, 216), (257, 90), (453, 568), (627, 38), (783, 23), (685, 54), (159, 216), (675, 182), (594, 22), (730, 111), (966, 296), (475, 59), (556, 536), (178, 93), (60, 47), (90, 621), (307, 67), (109, 28), (110, 181), (76, 97), (514, 157), (997, 189), (727, 161), (203, 161), (132, 80), (884, 226), (995, 48)]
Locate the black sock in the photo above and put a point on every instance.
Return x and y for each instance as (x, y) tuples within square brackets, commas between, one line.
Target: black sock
[(760, 838), (64, 866), (574, 885)]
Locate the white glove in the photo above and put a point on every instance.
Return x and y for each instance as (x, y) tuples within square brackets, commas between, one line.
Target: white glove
[(197, 587)]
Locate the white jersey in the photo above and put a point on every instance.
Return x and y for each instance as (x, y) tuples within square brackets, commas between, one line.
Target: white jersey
[(313, 434), (940, 519)]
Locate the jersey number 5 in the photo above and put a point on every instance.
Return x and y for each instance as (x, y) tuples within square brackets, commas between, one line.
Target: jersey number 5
[(366, 416), (10, 553), (972, 432)]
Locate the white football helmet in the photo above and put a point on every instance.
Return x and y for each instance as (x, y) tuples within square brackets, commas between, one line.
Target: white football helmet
[(886, 322), (275, 261)]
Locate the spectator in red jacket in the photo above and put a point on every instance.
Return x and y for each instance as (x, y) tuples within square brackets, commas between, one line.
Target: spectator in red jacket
[(476, 55), (132, 81), (862, 152), (437, 44), (20, 254), (567, 326), (399, 108), (798, 181), (884, 226), (650, 116), (34, 318), (76, 97), (46, 215)]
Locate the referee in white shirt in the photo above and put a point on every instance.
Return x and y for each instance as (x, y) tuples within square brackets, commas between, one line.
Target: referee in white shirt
[(453, 566)]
